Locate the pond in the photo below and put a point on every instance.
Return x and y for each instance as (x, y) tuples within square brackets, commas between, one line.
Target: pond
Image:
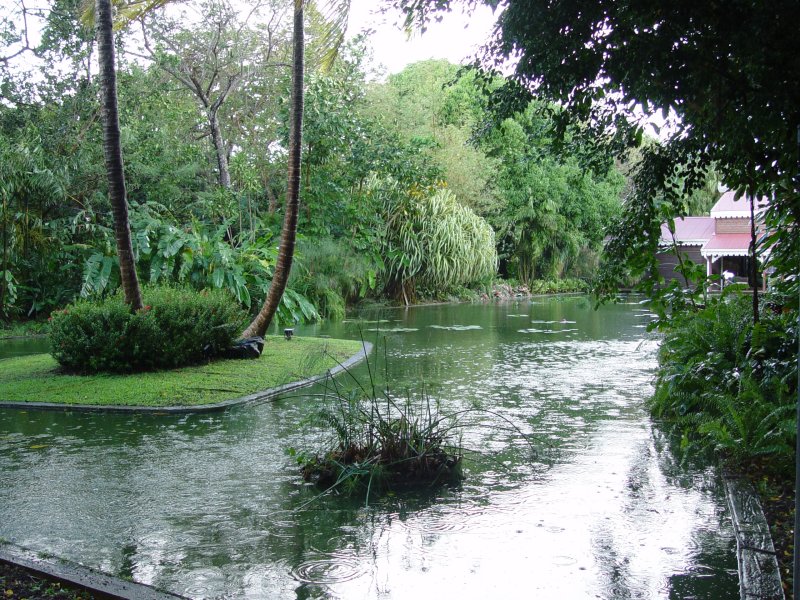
[(210, 506), (18, 346)]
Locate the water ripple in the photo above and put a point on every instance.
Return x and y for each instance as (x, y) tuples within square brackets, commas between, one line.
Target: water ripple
[(329, 570)]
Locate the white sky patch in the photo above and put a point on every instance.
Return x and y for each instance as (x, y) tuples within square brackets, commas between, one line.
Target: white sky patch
[(456, 38)]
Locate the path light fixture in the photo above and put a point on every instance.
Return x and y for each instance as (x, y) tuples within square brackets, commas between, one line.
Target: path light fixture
[(288, 333)]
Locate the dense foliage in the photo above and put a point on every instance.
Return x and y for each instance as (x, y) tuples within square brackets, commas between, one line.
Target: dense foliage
[(205, 164), (729, 384), (552, 214), (722, 78), (176, 327), (549, 213)]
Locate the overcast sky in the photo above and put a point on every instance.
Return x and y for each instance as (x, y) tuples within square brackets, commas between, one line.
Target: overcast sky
[(456, 38)]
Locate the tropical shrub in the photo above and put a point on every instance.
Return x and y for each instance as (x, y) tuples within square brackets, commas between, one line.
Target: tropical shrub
[(331, 274), (434, 243), (176, 327), (200, 255), (727, 384), (557, 286), (34, 263)]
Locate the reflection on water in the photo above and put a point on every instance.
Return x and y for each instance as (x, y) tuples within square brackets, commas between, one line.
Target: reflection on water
[(23, 345), (209, 506)]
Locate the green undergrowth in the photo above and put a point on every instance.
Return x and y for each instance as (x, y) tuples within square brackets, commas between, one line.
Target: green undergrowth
[(728, 385), (38, 377)]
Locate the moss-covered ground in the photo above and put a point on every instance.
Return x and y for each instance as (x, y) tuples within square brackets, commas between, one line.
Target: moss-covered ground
[(38, 378)]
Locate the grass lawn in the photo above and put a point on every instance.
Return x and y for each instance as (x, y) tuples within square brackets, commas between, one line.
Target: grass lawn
[(36, 378)]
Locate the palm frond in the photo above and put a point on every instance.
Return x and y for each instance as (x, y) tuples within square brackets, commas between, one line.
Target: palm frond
[(335, 14)]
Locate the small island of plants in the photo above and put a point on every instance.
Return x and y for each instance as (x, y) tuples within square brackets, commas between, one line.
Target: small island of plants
[(380, 442), (169, 353)]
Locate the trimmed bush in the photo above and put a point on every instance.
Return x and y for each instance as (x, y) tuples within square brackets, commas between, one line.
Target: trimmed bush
[(177, 327)]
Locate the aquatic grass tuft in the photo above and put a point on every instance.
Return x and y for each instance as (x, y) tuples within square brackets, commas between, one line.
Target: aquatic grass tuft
[(379, 440)]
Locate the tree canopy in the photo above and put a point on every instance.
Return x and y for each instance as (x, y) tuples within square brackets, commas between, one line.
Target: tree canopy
[(199, 97), (724, 75)]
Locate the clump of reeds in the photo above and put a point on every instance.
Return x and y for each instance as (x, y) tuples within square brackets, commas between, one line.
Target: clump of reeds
[(381, 441)]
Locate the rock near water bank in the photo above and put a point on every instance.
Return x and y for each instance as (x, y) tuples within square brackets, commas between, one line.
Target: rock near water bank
[(503, 292)]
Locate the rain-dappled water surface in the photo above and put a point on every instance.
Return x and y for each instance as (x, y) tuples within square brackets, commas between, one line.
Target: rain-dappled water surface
[(210, 506)]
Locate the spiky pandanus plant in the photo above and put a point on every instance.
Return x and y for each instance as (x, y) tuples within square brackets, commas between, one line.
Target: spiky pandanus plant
[(435, 242)]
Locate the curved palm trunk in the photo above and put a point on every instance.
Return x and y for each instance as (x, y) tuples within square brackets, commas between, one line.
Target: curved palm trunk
[(112, 150), (289, 230)]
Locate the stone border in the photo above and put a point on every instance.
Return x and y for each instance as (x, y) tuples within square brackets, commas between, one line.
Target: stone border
[(100, 584), (263, 395), (759, 575)]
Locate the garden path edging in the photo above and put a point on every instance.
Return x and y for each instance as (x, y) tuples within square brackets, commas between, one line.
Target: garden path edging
[(366, 348), (99, 584), (759, 575)]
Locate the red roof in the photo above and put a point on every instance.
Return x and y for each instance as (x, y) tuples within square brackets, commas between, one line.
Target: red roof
[(727, 244), (689, 231), (729, 207)]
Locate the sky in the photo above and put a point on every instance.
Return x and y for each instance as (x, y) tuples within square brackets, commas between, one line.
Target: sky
[(457, 37)]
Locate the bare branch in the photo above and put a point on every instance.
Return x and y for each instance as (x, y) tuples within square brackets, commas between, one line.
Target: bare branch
[(26, 47)]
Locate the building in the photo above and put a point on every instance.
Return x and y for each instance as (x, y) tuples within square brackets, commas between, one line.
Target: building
[(721, 241)]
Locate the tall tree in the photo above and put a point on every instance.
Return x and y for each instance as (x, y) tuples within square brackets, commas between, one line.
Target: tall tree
[(214, 59), (429, 103), (283, 264), (336, 22), (112, 150)]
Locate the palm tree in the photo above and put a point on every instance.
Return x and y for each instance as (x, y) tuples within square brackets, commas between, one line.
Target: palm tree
[(283, 264), (112, 150)]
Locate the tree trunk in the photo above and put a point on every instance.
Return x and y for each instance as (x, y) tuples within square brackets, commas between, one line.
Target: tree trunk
[(753, 255), (112, 150), (219, 149), (3, 274), (289, 231)]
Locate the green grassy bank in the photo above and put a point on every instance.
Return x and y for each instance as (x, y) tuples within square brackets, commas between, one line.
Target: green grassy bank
[(37, 378)]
